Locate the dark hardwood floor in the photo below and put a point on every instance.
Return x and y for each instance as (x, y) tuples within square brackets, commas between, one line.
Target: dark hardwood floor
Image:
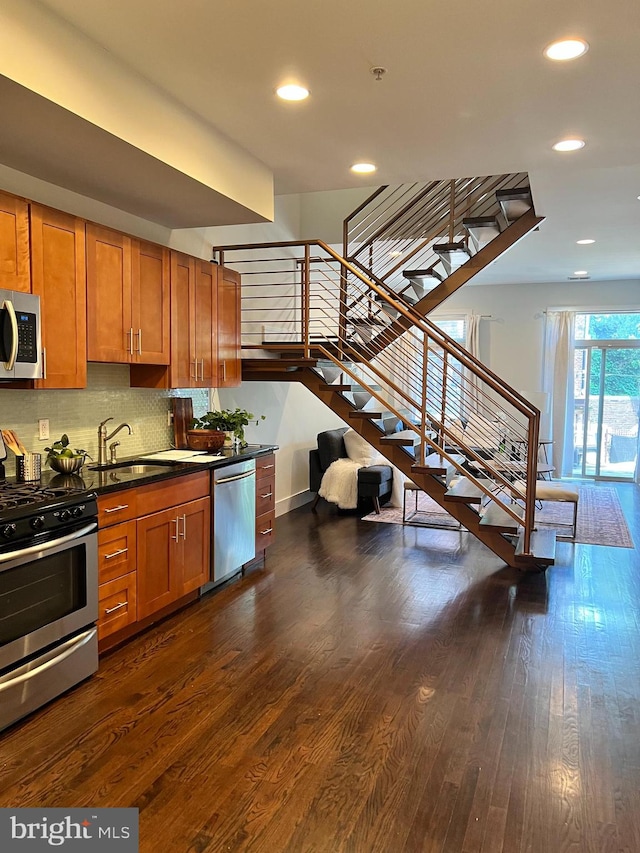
[(376, 688)]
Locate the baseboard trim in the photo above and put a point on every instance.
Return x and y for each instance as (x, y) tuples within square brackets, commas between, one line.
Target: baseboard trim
[(285, 505)]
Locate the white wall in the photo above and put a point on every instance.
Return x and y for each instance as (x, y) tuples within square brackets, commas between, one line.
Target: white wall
[(512, 336)]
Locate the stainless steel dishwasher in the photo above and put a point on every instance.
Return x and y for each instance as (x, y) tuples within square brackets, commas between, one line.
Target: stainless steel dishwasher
[(234, 519)]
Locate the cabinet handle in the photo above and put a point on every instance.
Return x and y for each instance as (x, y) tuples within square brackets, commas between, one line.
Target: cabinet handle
[(116, 553), (268, 495), (264, 532), (224, 370), (139, 336), (202, 369), (131, 341), (184, 527), (194, 375), (44, 362), (264, 467), (175, 521), (117, 508), (118, 606)]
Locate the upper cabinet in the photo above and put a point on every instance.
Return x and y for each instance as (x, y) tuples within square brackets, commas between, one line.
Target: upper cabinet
[(193, 322), (14, 243), (127, 299), (229, 365), (58, 277)]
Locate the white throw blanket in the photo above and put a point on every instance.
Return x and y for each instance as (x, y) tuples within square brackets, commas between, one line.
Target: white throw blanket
[(340, 483)]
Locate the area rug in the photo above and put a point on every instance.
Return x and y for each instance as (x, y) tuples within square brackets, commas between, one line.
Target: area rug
[(600, 517)]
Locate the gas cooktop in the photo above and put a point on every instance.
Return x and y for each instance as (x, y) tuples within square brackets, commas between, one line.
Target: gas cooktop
[(27, 509)]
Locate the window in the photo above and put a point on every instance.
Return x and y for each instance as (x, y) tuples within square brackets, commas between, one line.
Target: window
[(606, 393)]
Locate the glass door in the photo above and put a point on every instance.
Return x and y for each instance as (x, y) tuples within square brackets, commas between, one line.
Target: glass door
[(606, 400)]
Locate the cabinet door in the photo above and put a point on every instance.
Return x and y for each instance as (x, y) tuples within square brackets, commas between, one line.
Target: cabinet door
[(150, 302), (59, 278), (14, 243), (183, 357), (194, 527), (109, 322), (157, 537), (206, 345), (229, 369)]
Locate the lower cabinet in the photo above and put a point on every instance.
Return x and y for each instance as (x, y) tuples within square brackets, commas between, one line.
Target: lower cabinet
[(265, 502), (153, 549), (173, 554)]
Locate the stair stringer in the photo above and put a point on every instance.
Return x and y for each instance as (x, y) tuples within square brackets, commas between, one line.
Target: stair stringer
[(432, 485)]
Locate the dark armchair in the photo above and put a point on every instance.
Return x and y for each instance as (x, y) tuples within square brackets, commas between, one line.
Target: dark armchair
[(375, 482)]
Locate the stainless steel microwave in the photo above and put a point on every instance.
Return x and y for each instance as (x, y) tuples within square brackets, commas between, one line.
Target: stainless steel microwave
[(20, 344)]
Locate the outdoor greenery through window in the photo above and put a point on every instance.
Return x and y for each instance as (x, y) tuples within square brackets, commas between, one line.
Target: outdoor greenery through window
[(606, 394)]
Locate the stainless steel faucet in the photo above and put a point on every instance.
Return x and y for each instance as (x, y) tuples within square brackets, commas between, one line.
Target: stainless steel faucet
[(103, 438)]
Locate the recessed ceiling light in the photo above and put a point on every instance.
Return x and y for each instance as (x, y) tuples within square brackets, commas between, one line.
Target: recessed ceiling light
[(363, 168), (586, 242), (565, 49), (291, 92), (581, 272), (569, 145)]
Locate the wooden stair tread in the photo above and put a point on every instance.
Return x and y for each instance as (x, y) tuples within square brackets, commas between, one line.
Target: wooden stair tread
[(369, 416), (542, 546), (464, 491), (497, 518), (271, 364), (399, 440)]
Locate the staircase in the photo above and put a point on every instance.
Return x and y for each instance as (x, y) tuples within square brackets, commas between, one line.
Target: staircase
[(358, 339)]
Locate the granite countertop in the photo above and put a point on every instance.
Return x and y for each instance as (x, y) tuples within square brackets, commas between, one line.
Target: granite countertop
[(112, 479)]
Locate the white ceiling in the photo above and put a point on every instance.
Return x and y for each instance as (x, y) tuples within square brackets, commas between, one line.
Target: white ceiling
[(467, 92)]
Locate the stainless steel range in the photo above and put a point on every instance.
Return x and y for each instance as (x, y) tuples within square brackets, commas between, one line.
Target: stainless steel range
[(48, 593)]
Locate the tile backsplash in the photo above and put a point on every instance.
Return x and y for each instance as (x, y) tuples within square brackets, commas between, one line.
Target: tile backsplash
[(79, 412)]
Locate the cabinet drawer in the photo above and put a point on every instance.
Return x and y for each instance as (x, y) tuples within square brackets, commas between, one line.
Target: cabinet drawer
[(116, 507), (116, 551), (265, 530), (265, 496), (117, 607), (265, 466), (167, 493)]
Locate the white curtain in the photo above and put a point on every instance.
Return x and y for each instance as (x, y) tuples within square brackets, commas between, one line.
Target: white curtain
[(558, 383)]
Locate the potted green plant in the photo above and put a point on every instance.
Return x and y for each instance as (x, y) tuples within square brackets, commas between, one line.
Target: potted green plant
[(230, 422)]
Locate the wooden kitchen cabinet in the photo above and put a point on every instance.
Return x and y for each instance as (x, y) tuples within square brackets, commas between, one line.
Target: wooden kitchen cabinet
[(193, 322), (153, 550), (58, 276), (127, 299), (116, 577), (14, 243), (265, 502), (173, 554), (229, 364)]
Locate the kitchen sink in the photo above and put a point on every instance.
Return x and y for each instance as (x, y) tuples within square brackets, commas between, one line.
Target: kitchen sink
[(132, 467), (138, 469)]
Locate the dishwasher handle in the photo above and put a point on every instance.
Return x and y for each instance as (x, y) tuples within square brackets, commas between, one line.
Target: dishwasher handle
[(237, 477)]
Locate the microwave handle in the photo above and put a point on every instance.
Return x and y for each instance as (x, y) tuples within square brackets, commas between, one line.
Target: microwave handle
[(10, 345)]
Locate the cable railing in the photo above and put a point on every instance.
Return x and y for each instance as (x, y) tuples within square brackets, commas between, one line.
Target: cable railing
[(293, 302), (396, 228)]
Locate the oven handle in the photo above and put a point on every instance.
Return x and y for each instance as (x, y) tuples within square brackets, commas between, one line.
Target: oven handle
[(72, 647), (47, 546)]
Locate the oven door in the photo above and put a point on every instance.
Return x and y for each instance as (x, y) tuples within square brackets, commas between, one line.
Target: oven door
[(48, 591)]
